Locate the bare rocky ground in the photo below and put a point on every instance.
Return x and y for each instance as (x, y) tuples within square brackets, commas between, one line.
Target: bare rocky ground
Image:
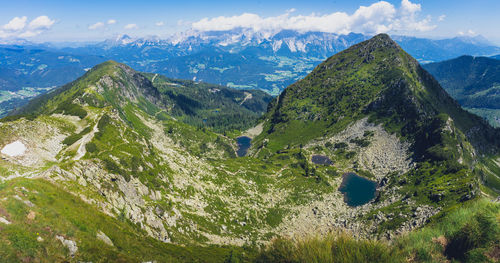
[(254, 131), (195, 184), (385, 154)]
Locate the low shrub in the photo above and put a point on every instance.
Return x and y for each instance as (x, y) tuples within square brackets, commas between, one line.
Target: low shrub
[(91, 147)]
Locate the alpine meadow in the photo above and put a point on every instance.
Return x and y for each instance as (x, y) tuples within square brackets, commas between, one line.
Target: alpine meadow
[(363, 132)]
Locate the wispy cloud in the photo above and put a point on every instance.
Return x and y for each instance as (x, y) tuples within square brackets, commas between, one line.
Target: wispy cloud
[(18, 27), (160, 23), (469, 33), (377, 18), (96, 26), (131, 26), (100, 24), (441, 18)]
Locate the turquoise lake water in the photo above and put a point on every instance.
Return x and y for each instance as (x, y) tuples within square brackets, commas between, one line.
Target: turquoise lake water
[(357, 190)]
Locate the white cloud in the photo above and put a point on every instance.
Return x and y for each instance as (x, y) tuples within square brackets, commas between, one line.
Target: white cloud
[(441, 18), (101, 24), (160, 23), (29, 33), (131, 26), (96, 26), (409, 7), (377, 18), (17, 27), (16, 24), (469, 33), (41, 22)]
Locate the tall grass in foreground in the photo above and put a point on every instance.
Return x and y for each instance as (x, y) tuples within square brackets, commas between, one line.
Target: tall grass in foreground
[(332, 248), (470, 233)]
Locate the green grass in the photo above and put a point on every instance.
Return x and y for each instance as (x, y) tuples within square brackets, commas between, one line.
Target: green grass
[(475, 220), (469, 233), (332, 248), (75, 137), (489, 173), (60, 213), (294, 134)]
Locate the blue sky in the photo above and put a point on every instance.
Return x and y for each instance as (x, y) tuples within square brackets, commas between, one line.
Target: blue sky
[(92, 20)]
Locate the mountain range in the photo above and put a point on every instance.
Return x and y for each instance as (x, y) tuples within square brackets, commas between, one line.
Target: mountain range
[(125, 166), (239, 58)]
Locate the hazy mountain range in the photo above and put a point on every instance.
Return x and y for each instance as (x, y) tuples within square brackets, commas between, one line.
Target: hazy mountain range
[(238, 58)]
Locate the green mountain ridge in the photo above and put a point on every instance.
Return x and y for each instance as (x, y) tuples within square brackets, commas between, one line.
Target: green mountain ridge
[(377, 84), (473, 81), (199, 104), (154, 159), (121, 142), (375, 79)]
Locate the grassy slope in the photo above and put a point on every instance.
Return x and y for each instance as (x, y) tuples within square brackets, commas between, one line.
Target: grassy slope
[(375, 78), (60, 213), (470, 233)]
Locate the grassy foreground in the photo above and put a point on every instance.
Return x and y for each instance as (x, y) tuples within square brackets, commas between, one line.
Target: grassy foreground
[(38, 212), (467, 234)]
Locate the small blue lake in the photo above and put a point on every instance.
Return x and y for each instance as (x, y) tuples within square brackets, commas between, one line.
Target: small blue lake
[(243, 145), (357, 190)]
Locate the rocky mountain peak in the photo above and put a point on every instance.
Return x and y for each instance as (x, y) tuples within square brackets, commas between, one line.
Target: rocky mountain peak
[(383, 40), (373, 78)]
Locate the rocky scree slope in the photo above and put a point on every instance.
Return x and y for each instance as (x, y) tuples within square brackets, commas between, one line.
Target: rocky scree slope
[(110, 138)]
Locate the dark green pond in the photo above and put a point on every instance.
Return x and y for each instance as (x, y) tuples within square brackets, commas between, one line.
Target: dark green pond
[(321, 159), (243, 145), (357, 190)]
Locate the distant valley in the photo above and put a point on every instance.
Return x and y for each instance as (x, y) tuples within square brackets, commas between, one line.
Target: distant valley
[(474, 82)]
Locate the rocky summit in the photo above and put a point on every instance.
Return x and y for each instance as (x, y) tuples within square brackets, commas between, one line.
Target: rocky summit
[(125, 166)]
